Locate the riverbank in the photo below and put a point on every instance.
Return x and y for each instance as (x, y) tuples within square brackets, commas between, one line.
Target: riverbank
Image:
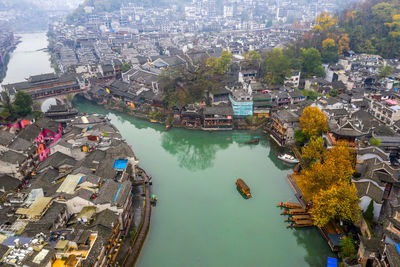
[(238, 124), (194, 174), (6, 57)]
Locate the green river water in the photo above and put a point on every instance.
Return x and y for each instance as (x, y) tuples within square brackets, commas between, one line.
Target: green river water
[(200, 218)]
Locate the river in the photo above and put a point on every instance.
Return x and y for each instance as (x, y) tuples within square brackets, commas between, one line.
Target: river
[(200, 218), (28, 58)]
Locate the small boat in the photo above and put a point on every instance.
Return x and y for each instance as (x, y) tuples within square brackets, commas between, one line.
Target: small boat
[(295, 212), (153, 121), (288, 158), (290, 205), (255, 140), (295, 218), (242, 186), (168, 127), (153, 199), (301, 223)]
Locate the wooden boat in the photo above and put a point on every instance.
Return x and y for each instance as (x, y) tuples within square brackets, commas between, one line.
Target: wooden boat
[(168, 127), (254, 140), (288, 158), (290, 205), (298, 218), (295, 212), (153, 121), (242, 186), (301, 223)]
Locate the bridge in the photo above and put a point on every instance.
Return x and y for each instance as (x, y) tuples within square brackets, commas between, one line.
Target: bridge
[(45, 86)]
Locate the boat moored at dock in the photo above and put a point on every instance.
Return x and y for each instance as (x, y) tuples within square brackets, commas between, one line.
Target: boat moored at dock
[(290, 205), (295, 218), (243, 187), (295, 212), (301, 223), (288, 158)]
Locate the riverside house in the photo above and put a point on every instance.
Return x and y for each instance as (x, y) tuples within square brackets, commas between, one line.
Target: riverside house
[(284, 124), (218, 118)]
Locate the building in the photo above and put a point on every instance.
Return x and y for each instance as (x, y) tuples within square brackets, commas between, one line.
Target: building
[(284, 124), (242, 105), (48, 85), (387, 111), (218, 118)]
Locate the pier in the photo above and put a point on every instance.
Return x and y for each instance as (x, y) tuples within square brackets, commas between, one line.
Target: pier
[(141, 233)]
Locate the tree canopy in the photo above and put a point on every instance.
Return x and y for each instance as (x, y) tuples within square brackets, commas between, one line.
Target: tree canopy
[(313, 121), (23, 103)]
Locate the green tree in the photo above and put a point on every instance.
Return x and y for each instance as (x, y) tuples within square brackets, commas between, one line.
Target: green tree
[(220, 65), (125, 67), (277, 66), (386, 71), (300, 137), (375, 141), (347, 247), (23, 103), (311, 63), (369, 212), (8, 112), (330, 51), (333, 93)]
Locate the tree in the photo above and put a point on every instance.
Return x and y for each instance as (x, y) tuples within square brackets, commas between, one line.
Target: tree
[(277, 66), (340, 202), (314, 150), (347, 247), (386, 71), (300, 137), (369, 212), (330, 51), (324, 22), (252, 60), (344, 43), (8, 112), (336, 167), (313, 121), (125, 67), (23, 103), (375, 141), (311, 63), (220, 65)]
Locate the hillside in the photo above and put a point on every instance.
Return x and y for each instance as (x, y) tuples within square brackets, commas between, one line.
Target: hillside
[(373, 26)]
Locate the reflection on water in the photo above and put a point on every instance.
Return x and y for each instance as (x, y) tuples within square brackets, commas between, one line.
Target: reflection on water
[(311, 240)]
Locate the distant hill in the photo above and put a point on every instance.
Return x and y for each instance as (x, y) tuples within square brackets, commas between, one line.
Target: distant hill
[(373, 27)]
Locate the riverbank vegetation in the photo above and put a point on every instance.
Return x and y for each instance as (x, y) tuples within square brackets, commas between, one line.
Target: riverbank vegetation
[(20, 107), (325, 181)]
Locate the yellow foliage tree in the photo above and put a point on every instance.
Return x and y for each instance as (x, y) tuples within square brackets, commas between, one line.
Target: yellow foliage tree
[(314, 150), (324, 21), (344, 43), (337, 167), (313, 121), (340, 201), (328, 43)]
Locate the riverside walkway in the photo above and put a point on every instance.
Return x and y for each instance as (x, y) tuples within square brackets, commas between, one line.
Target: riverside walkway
[(141, 233)]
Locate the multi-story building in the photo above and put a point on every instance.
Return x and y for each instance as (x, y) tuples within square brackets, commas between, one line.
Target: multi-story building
[(388, 111), (284, 124)]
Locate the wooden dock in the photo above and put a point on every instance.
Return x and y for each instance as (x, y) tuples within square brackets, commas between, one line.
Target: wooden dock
[(143, 229)]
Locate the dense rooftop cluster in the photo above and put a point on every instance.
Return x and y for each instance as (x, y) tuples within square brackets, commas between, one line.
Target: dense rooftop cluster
[(66, 191)]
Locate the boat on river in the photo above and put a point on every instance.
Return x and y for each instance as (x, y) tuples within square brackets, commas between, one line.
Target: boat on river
[(288, 158), (168, 127), (153, 121), (295, 218), (255, 140), (301, 223), (243, 187), (290, 205), (295, 212)]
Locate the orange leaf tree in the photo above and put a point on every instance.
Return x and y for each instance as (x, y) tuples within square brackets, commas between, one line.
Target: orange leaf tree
[(340, 201), (314, 150), (313, 121), (331, 177)]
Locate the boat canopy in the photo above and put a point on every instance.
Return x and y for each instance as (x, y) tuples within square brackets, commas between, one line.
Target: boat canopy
[(332, 262)]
